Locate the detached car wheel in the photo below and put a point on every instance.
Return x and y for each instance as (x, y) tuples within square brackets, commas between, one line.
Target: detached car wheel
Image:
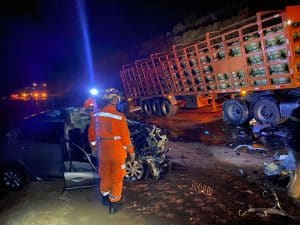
[(134, 170), (12, 179)]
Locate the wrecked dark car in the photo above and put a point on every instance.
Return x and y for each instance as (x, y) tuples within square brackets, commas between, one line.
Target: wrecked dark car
[(54, 145)]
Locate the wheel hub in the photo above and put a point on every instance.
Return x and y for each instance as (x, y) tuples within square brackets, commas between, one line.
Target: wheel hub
[(134, 170), (236, 112), (266, 112), (11, 179)]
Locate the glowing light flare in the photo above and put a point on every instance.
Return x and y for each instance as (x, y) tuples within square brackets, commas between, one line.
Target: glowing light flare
[(86, 39), (289, 22), (14, 95), (243, 92), (94, 91)]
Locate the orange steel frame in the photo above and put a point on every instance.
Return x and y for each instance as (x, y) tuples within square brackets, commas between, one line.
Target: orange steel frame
[(172, 73)]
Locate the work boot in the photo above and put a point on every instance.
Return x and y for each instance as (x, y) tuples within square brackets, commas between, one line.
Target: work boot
[(105, 200), (114, 207)]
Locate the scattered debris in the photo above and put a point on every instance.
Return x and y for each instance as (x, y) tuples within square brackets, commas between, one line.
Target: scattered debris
[(288, 161), (242, 133), (248, 192), (241, 171), (262, 212), (272, 169), (285, 164), (249, 148), (202, 188), (257, 128)]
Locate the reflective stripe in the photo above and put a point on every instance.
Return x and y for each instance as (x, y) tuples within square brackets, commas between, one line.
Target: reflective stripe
[(108, 115), (93, 142), (127, 147), (105, 193), (109, 138)]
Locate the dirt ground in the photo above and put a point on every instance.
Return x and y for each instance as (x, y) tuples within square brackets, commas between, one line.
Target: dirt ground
[(208, 184)]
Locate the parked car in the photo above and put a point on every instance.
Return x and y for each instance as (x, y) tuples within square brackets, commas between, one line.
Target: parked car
[(53, 145)]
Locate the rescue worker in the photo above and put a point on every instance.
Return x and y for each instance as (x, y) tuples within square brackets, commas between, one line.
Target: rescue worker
[(90, 104), (109, 135)]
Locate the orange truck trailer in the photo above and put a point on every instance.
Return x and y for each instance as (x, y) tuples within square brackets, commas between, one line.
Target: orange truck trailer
[(251, 67)]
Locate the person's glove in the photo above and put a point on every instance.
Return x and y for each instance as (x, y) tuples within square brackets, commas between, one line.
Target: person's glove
[(131, 156)]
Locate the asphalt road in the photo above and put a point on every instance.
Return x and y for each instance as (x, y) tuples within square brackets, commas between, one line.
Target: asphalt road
[(209, 184)]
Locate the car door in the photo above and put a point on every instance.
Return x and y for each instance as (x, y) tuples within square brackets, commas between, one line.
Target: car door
[(81, 168), (39, 145)]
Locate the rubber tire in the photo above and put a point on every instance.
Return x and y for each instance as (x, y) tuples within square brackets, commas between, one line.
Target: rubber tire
[(265, 104), (167, 109), (135, 178), (18, 174), (155, 106), (242, 113), (146, 107)]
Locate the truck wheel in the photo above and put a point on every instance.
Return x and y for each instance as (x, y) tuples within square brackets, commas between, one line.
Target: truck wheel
[(236, 111), (156, 110), (12, 179), (167, 109), (146, 107), (266, 112)]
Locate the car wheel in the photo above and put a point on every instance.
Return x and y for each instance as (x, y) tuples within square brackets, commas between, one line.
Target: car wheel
[(134, 170), (266, 112), (12, 179), (236, 111)]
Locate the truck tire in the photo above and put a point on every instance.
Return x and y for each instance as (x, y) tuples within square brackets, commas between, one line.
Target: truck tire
[(236, 112), (167, 109), (266, 111), (155, 106), (146, 107)]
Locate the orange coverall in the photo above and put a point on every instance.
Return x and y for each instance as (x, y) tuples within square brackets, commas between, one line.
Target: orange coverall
[(108, 129)]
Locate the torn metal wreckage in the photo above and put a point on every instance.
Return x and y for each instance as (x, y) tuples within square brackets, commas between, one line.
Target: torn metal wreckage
[(149, 142)]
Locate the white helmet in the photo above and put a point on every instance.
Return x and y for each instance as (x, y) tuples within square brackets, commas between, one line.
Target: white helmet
[(110, 93)]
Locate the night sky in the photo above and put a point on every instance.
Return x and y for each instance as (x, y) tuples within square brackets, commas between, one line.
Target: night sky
[(41, 40)]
